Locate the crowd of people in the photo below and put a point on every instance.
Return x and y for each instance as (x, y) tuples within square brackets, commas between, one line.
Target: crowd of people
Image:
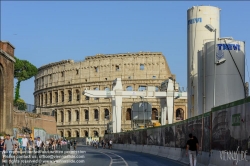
[(10, 148), (96, 144)]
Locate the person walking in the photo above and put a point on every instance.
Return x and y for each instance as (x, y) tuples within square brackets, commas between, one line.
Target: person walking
[(110, 144), (192, 146), (75, 143), (1, 149), (8, 146), (38, 147), (24, 143)]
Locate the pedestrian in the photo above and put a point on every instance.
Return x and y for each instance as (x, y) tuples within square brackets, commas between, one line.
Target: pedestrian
[(1, 149), (110, 144), (75, 143), (192, 146), (68, 144), (24, 143), (8, 146), (38, 147)]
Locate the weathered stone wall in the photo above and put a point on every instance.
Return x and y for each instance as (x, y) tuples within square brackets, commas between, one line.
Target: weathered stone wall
[(6, 86), (59, 86), (25, 119)]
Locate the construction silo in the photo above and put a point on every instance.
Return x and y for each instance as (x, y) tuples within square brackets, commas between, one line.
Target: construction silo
[(228, 67), (197, 35)]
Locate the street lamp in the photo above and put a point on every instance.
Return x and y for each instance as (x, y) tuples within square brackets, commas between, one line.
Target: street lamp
[(212, 29)]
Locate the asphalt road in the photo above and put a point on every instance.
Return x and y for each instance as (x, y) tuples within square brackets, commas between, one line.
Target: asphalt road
[(89, 156)]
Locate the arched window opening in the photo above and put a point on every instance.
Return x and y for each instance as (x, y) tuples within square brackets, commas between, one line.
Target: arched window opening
[(179, 114), (62, 95), (77, 133), (77, 115), (96, 134), (50, 97), (141, 66), (77, 95), (69, 134), (96, 114), (56, 96), (129, 88), (70, 95), (46, 99), (106, 114), (106, 89), (142, 88), (128, 114), (61, 133), (86, 114), (69, 116), (154, 114), (62, 117), (86, 133), (117, 68), (42, 99)]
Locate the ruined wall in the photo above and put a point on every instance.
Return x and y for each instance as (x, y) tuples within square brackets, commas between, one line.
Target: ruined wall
[(6, 86), (31, 120)]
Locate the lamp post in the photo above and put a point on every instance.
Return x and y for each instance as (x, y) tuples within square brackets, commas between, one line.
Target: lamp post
[(212, 29)]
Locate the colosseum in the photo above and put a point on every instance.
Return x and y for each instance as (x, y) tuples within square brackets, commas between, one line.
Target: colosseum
[(59, 87)]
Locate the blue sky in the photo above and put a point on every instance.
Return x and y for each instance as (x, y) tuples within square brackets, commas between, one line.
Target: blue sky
[(45, 32)]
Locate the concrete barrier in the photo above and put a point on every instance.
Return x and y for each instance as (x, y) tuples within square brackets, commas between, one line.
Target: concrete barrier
[(154, 150), (146, 148), (174, 153), (163, 151), (132, 147), (203, 158), (218, 159), (138, 148)]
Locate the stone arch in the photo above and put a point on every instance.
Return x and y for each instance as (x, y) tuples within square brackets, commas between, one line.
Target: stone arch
[(86, 114), (62, 96), (129, 88), (106, 113), (95, 133), (96, 114), (69, 133), (77, 134), (77, 95), (77, 113), (154, 114), (128, 114), (61, 133), (62, 116), (86, 133), (107, 89), (70, 95), (179, 114), (69, 115), (2, 99)]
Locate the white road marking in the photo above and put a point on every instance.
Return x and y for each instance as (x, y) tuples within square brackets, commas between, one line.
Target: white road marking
[(114, 158)]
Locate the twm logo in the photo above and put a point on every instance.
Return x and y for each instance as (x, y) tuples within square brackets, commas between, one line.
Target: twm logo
[(229, 47), (194, 20)]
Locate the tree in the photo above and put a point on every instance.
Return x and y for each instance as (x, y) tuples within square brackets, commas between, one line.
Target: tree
[(20, 104), (23, 70)]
